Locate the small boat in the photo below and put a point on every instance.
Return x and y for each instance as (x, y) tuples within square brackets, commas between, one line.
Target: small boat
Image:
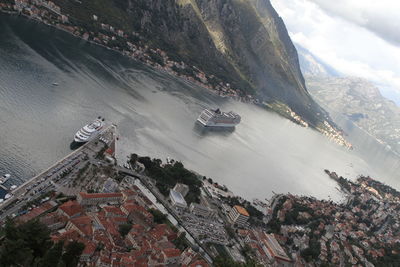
[(8, 196), (55, 84), (13, 187), (4, 178)]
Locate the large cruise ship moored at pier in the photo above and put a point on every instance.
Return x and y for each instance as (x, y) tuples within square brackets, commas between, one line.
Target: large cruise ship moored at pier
[(218, 118), (89, 131)]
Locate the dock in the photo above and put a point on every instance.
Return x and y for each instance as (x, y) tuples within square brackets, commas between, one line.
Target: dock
[(44, 181)]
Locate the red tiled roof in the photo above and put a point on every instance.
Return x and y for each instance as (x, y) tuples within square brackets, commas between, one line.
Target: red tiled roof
[(105, 259), (138, 228), (118, 220), (101, 236), (141, 263), (130, 207), (171, 252), (159, 231), (84, 224), (71, 208), (111, 224), (53, 218), (37, 211), (129, 193), (241, 210), (99, 195), (165, 245), (68, 235), (90, 248), (114, 210)]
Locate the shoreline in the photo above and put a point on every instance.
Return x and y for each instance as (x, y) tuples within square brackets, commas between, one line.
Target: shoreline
[(287, 113)]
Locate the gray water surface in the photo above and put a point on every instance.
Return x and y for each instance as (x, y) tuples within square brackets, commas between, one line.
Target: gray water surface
[(155, 114)]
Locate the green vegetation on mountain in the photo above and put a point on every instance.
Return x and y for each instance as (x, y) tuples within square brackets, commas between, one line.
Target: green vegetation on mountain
[(243, 43)]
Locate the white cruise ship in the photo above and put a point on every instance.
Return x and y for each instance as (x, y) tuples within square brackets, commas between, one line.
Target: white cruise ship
[(218, 118), (89, 131)]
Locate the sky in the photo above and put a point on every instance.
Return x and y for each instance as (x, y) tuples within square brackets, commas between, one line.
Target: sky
[(356, 37)]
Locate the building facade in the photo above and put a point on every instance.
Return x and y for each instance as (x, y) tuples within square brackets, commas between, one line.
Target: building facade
[(182, 188), (86, 199), (177, 200), (239, 215)]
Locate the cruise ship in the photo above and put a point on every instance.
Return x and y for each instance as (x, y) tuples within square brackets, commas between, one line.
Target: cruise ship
[(218, 118), (89, 131)]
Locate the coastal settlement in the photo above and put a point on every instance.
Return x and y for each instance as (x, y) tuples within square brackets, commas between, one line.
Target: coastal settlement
[(153, 213)]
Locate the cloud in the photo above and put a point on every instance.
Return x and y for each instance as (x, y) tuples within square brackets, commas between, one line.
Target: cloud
[(343, 43), (381, 17)]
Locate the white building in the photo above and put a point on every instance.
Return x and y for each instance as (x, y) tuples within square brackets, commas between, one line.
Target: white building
[(87, 199), (239, 215), (182, 188), (177, 200)]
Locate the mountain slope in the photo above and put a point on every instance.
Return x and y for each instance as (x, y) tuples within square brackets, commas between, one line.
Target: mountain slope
[(241, 42), (362, 103), (355, 98)]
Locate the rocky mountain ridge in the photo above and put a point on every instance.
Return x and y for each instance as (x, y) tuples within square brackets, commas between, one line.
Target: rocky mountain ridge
[(243, 43)]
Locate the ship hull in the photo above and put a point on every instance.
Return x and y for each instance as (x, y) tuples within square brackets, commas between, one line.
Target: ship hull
[(217, 125), (75, 145)]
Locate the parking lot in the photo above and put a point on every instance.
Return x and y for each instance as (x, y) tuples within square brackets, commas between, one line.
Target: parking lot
[(204, 229)]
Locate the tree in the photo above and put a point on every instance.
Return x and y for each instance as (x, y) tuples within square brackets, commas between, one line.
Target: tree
[(220, 261), (25, 244), (158, 216), (72, 253), (53, 256), (15, 253), (180, 242), (37, 237), (133, 159), (124, 229)]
